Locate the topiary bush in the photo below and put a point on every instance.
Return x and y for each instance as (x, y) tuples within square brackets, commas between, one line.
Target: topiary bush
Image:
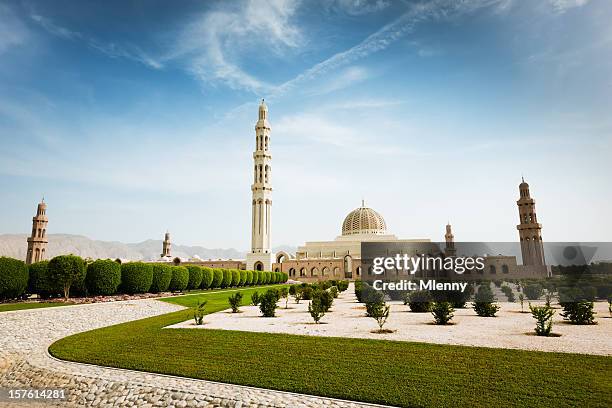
[(262, 278), (533, 291), (217, 278), (249, 278), (13, 278), (195, 276), (103, 277), (255, 278), (180, 279), (419, 301), (284, 277), (267, 277), (227, 278), (235, 277), (255, 298), (267, 303), (68, 271), (442, 312), (207, 278), (243, 278), (136, 277), (358, 290), (162, 275), (39, 281)]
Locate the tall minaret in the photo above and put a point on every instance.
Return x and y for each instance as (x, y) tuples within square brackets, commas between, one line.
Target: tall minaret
[(166, 246), (260, 257), (530, 231), (450, 241), (37, 242)]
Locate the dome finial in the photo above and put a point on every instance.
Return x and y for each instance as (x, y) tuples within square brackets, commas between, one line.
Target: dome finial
[(362, 203)]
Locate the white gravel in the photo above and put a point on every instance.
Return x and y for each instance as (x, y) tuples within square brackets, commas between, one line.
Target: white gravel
[(510, 329)]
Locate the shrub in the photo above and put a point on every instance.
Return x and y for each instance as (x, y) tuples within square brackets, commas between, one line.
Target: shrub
[(343, 285), (284, 294), (255, 298), (267, 303), (508, 292), (358, 290), (579, 312), (484, 302), (419, 301), (227, 278), (217, 278), (103, 277), (162, 275), (533, 291), (298, 294), (255, 278), (543, 316), (68, 271), (267, 277), (180, 279), (195, 276), (243, 278), (235, 277), (379, 311), (307, 293), (442, 312), (235, 301), (207, 278), (589, 293), (199, 312), (334, 292), (292, 289), (316, 309), (13, 277), (249, 278), (40, 282), (326, 298), (285, 277), (373, 300), (136, 277)]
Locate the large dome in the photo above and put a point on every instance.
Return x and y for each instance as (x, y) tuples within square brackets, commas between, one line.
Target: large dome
[(364, 220)]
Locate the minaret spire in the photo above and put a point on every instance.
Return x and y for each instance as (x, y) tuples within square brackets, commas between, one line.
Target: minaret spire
[(37, 242), (530, 231)]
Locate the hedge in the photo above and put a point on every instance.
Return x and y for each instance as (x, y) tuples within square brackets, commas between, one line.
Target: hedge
[(268, 277), (235, 277), (180, 279), (103, 277), (68, 271), (162, 275), (207, 278), (217, 278), (255, 280), (13, 277), (136, 277), (286, 277), (40, 283), (243, 278), (195, 276), (249, 278), (227, 278)]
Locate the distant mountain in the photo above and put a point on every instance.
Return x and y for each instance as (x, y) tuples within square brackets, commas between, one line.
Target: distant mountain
[(15, 245)]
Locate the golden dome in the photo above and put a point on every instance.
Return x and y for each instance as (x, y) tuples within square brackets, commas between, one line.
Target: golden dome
[(364, 220)]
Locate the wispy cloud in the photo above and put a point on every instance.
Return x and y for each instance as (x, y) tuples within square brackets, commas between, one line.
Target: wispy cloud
[(12, 31), (561, 6), (357, 7), (343, 79)]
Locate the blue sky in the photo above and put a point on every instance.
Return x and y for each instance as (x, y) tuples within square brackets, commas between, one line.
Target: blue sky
[(133, 117)]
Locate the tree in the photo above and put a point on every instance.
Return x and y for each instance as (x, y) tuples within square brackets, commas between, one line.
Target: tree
[(316, 309), (284, 294), (543, 316), (442, 312), (67, 270), (298, 294), (379, 311), (267, 303)]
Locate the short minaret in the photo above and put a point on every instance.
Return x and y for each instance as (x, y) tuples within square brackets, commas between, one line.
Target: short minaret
[(260, 257), (530, 231), (450, 241), (166, 246), (37, 242)]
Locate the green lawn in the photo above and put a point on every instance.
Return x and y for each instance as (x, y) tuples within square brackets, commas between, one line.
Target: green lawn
[(396, 373), (8, 307)]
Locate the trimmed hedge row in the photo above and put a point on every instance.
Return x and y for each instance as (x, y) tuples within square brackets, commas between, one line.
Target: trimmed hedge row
[(68, 274)]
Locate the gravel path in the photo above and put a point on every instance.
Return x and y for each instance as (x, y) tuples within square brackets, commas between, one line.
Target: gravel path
[(25, 363), (511, 329)]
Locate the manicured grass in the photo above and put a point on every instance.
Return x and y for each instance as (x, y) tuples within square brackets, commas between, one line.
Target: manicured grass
[(8, 307), (395, 373)]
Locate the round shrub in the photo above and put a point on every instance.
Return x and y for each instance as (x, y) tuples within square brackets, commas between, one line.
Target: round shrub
[(180, 279), (227, 278), (103, 277), (533, 291), (275, 277), (67, 271), (235, 277), (249, 278), (285, 277), (207, 278), (243, 278), (136, 277), (419, 301), (267, 277), (195, 276), (162, 275), (217, 278), (13, 278), (255, 278), (40, 283)]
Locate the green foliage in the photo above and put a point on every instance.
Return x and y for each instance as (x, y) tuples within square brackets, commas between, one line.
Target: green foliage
[(267, 303), (522, 300), (256, 280), (199, 311), (267, 277), (284, 277), (509, 293), (378, 310), (217, 278), (484, 302), (372, 301), (103, 277), (13, 278), (589, 293), (442, 312), (207, 278), (180, 279), (284, 294), (358, 290), (307, 292), (243, 278), (235, 301), (579, 312), (292, 289), (316, 309), (136, 277), (195, 276), (162, 275), (249, 278), (298, 293), (68, 271), (342, 285), (543, 316), (334, 292), (419, 301), (235, 277), (255, 298), (227, 278), (40, 282), (533, 291)]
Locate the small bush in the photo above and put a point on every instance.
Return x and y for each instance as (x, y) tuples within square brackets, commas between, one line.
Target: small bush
[(284, 294), (249, 278), (442, 312), (243, 278), (316, 309), (180, 279), (235, 301), (379, 311), (267, 303), (227, 278), (162, 275), (509, 293), (285, 277), (334, 292), (136, 277), (579, 312), (199, 312), (255, 298), (68, 271), (255, 278), (419, 301), (373, 300), (325, 297), (235, 277), (195, 276), (543, 316), (533, 291), (298, 293), (358, 290), (103, 277), (307, 293), (217, 278), (343, 285), (13, 278), (207, 278), (268, 277), (484, 302)]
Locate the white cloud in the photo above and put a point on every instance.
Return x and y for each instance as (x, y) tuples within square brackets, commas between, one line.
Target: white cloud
[(357, 7), (12, 31), (343, 79), (561, 6)]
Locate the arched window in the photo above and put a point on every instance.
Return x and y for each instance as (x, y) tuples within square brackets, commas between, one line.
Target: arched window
[(358, 270), (492, 269), (266, 174), (277, 269), (505, 268), (336, 271), (348, 264), (325, 271), (37, 255), (303, 272), (314, 271), (292, 272), (258, 266)]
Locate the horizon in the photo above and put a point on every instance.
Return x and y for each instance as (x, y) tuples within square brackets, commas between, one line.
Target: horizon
[(132, 120)]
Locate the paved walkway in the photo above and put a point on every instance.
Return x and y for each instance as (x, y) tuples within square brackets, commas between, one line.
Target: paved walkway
[(25, 363)]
